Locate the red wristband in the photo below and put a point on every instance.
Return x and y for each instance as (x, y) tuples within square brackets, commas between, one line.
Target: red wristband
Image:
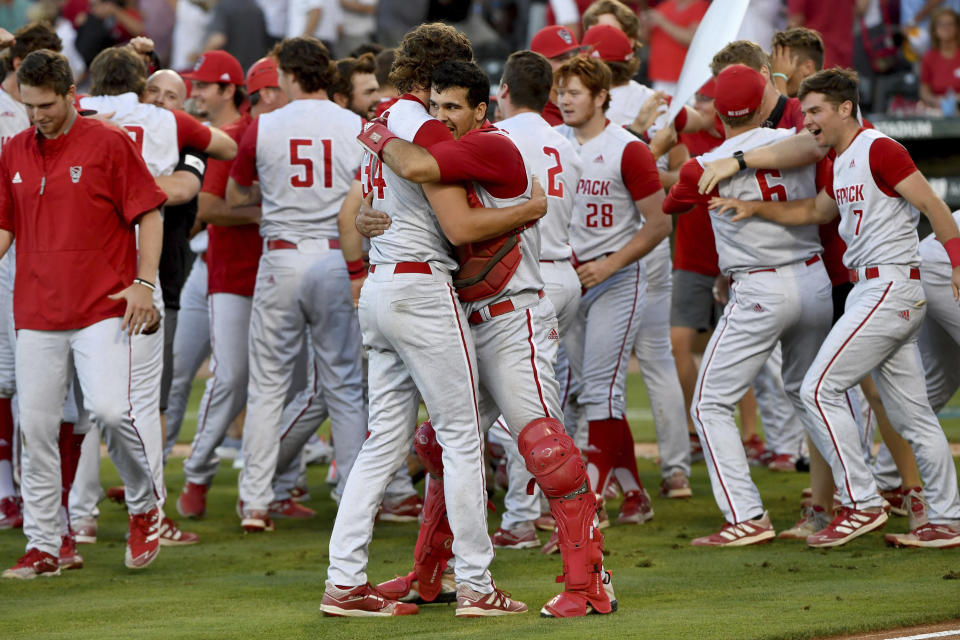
[(953, 251), (375, 136), (357, 269)]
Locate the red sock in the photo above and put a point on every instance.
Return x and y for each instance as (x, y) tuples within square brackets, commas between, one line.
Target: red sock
[(6, 430), (603, 438), (70, 445), (626, 458)]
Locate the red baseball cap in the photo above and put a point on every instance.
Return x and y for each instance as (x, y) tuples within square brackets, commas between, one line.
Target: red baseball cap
[(709, 89), (554, 41), (608, 43), (739, 91), (263, 73), (216, 66)]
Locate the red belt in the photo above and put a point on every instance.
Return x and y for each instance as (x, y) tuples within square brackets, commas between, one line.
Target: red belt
[(814, 260), (871, 273), (273, 245), (496, 309), (408, 267)]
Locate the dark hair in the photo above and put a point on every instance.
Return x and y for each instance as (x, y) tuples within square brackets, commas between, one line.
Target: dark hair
[(837, 86), (239, 93), (593, 73), (463, 75), (740, 52), (346, 69), (47, 69), (372, 48), (117, 70), (384, 62), (529, 76), (805, 43), (422, 49), (309, 62), (33, 37), (628, 20)]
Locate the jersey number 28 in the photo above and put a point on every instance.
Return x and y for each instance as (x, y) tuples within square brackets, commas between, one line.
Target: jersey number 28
[(298, 148)]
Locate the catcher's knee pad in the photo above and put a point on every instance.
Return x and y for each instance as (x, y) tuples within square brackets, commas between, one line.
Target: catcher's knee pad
[(434, 541), (428, 449), (552, 458)]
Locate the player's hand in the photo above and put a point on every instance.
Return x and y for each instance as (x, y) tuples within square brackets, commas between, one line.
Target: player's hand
[(955, 279), (716, 171), (742, 209), (6, 39), (154, 327), (721, 289), (648, 112), (593, 273), (140, 312), (355, 286), (142, 45), (538, 199), (370, 222), (663, 141), (784, 61)]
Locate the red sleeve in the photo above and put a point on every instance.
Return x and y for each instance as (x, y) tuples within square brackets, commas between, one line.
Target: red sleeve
[(432, 132), (639, 170), (684, 194), (489, 158), (244, 170), (825, 174), (191, 133), (890, 163), (138, 192), (6, 201), (681, 120)]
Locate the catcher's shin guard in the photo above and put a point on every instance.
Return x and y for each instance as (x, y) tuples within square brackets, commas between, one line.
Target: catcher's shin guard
[(435, 540), (556, 464)]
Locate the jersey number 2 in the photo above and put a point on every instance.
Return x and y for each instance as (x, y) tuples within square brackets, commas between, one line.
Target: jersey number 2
[(766, 191), (296, 160), (554, 186)]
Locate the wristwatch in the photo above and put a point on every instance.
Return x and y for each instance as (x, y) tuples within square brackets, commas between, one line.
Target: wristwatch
[(739, 156)]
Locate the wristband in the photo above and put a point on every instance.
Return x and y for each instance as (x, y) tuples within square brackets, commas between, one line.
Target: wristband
[(739, 156), (780, 75), (146, 283), (374, 137), (953, 251), (356, 268)]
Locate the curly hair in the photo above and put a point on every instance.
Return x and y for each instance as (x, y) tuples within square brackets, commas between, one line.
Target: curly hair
[(456, 74), (422, 50), (308, 60), (46, 69), (805, 43), (593, 73)]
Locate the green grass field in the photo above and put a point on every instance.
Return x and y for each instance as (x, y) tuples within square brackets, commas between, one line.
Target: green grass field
[(269, 585)]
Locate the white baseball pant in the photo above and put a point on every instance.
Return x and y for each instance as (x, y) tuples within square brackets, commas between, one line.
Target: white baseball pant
[(878, 334), (781, 425), (297, 291), (191, 346), (658, 368), (418, 343), (791, 304), (226, 389), (103, 358)]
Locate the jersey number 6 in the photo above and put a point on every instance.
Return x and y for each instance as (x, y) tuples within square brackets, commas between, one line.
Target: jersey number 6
[(766, 191), (298, 160)]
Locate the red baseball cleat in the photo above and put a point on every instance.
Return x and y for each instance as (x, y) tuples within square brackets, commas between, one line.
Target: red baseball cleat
[(744, 533), (473, 604), (143, 545), (636, 508), (850, 524), (362, 602), (406, 510), (171, 535), (406, 589), (117, 494), (523, 536), (192, 502), (290, 509), (931, 536), (32, 564), (69, 558)]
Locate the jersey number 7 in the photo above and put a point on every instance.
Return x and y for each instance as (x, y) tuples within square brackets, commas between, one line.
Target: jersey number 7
[(299, 147)]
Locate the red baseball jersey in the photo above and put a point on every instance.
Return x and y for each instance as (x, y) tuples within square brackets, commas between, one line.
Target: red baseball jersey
[(694, 248), (71, 203)]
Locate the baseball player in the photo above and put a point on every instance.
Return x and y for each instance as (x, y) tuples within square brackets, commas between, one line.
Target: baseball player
[(778, 295), (557, 44), (356, 88), (305, 158), (618, 190), (417, 342), (513, 324), (233, 249), (877, 191), (13, 120), (98, 310)]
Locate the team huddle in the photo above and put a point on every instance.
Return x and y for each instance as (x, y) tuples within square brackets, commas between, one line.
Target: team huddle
[(360, 258)]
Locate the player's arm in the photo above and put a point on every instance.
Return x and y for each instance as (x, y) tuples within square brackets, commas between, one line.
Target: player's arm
[(210, 140), (242, 189), (222, 146), (140, 312), (795, 151), (683, 196), (411, 162), (676, 158), (181, 187), (463, 224), (239, 195), (6, 239), (214, 210), (818, 210), (918, 192), (351, 242)]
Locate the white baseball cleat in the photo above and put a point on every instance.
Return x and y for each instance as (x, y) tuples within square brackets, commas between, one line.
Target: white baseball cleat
[(473, 604), (741, 534), (850, 524)]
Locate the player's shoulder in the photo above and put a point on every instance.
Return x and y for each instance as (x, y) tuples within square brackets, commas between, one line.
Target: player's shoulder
[(617, 136)]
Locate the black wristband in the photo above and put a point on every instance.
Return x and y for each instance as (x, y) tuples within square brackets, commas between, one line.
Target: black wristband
[(146, 283), (739, 156)]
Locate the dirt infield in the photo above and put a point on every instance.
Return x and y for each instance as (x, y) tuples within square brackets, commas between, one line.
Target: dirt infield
[(923, 632)]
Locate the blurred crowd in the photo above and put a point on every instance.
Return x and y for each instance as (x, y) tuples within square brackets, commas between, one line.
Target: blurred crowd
[(906, 51)]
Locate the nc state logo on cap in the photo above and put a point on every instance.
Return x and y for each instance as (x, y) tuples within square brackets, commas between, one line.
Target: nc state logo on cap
[(565, 35)]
